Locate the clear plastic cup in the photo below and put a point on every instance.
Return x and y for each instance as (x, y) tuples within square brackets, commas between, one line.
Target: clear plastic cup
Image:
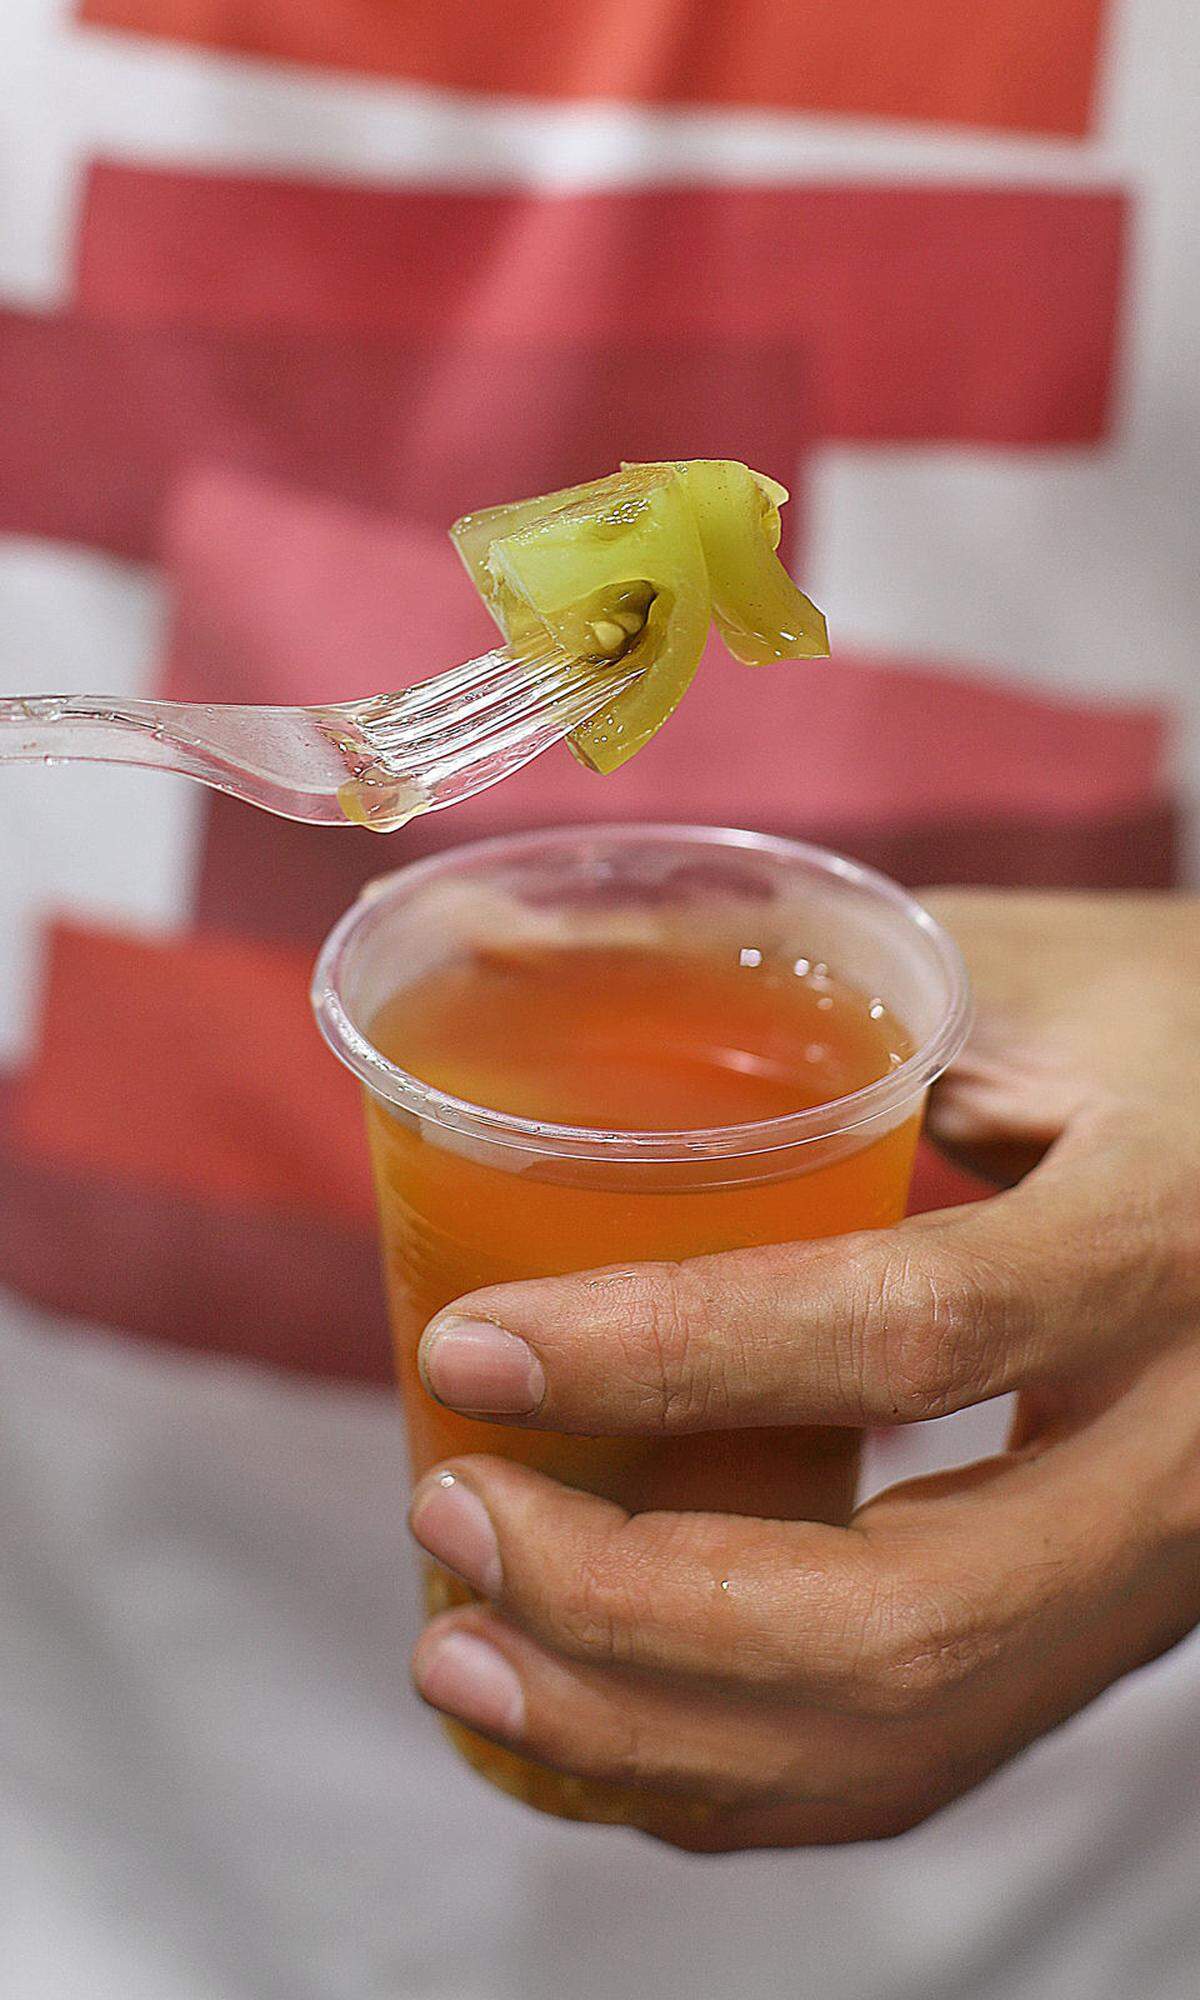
[(469, 1195)]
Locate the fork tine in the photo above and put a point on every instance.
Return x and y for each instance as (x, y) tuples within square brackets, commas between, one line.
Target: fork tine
[(428, 694), (455, 681), (549, 695), (460, 683), (503, 695), (487, 718), (539, 675), (413, 711), (523, 734)]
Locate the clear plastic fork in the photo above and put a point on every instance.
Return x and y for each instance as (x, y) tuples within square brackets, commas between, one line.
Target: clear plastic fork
[(376, 762)]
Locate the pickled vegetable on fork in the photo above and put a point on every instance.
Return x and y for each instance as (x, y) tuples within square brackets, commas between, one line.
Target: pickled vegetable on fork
[(638, 565)]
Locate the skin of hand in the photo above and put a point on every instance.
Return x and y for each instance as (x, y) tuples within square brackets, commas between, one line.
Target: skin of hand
[(786, 1684)]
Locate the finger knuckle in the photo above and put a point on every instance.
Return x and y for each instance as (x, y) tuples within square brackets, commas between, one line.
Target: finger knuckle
[(674, 1377), (614, 1748), (584, 1621), (606, 1601), (625, 1757), (918, 1650), (920, 1328)]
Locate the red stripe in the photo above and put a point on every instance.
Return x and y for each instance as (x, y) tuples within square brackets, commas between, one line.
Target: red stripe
[(938, 1183), (100, 420), (1009, 63), (921, 775), (265, 877), (860, 738), (289, 1291), (193, 1066), (921, 312), (280, 595), (932, 774)]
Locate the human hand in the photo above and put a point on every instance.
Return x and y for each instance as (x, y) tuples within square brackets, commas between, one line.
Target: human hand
[(811, 1684)]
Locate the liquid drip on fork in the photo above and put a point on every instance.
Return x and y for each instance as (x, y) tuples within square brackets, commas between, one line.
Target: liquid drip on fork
[(373, 799), (372, 795)]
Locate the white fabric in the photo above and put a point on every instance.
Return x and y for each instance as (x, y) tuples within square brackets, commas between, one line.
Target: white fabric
[(114, 846), (216, 1785)]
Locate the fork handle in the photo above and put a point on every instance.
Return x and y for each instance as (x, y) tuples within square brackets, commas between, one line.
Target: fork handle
[(81, 728), (254, 753)]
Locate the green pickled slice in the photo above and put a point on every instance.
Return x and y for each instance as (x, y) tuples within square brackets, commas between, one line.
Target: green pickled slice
[(760, 613), (622, 553), (638, 564)]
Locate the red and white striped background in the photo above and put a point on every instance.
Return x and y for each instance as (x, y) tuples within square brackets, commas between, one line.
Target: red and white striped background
[(285, 285)]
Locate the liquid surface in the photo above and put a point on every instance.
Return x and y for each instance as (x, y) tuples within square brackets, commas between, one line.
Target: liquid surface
[(620, 1038)]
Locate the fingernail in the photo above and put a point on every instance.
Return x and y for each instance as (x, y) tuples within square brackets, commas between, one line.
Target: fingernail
[(462, 1675), (452, 1525), (472, 1365)]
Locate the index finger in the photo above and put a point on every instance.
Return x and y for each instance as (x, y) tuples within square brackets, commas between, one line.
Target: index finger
[(883, 1326)]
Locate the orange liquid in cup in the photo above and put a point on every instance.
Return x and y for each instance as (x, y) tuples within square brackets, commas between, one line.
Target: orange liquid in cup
[(634, 1039)]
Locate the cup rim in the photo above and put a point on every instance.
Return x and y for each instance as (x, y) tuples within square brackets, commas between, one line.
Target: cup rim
[(411, 1095)]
